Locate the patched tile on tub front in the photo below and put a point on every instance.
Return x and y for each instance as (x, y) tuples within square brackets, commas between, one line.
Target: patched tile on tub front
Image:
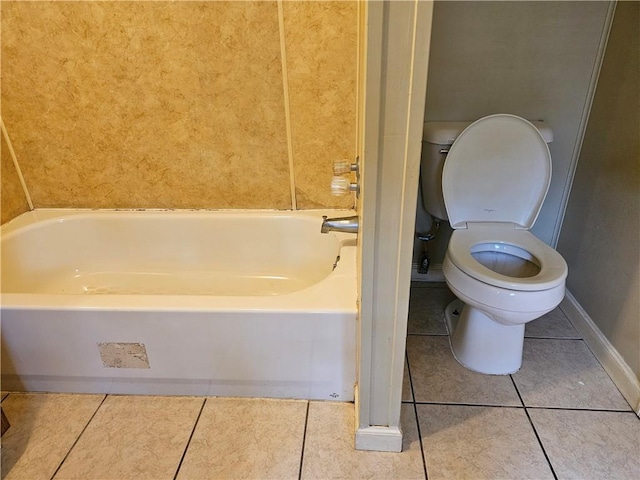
[(329, 451), (437, 377), (43, 430), (426, 310), (590, 445), (469, 442), (246, 438), (554, 324), (564, 373), (141, 437)]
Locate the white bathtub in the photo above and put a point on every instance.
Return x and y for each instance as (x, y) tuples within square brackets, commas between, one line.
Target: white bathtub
[(250, 303)]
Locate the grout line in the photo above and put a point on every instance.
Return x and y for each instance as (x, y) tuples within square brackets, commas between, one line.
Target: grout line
[(186, 447), (544, 452), (287, 110), (15, 164), (304, 438), (513, 381), (413, 395), (6, 394), (78, 438), (428, 334), (483, 405), (578, 409), (415, 414), (535, 432), (552, 338)]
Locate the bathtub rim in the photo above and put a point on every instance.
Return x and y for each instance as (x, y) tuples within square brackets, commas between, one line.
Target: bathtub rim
[(37, 216)]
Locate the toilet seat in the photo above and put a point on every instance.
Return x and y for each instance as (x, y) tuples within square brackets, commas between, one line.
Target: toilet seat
[(553, 268)]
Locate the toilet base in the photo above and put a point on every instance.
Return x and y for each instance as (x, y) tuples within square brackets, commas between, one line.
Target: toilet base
[(482, 344)]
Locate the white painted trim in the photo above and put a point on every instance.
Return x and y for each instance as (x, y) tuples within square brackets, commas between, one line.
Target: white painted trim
[(435, 274), (369, 143), (584, 120), (613, 363), (379, 439), (287, 113)]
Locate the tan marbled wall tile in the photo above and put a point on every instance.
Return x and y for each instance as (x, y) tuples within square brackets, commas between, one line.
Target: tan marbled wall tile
[(246, 438), (321, 47), (12, 199), (147, 104), (43, 429), (133, 437)]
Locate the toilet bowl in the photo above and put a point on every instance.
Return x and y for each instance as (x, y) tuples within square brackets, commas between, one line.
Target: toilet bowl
[(494, 181), (504, 278)]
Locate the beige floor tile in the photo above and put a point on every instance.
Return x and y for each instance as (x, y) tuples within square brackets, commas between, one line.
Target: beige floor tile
[(246, 439), (437, 376), (133, 437), (329, 447), (426, 310), (590, 445), (43, 430), (564, 373), (3, 395), (554, 324), (463, 442), (407, 395)]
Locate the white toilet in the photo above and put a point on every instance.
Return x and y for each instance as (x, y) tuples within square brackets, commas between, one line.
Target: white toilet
[(493, 183)]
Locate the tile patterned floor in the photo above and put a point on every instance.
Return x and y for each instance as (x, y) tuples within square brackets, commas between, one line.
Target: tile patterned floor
[(559, 417)]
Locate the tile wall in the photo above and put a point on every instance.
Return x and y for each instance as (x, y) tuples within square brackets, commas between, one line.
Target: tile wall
[(180, 104), (12, 196)]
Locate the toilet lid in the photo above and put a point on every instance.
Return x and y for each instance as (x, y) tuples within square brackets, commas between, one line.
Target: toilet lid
[(497, 170)]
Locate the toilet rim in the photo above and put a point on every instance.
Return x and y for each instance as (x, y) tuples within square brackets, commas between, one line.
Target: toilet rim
[(553, 268)]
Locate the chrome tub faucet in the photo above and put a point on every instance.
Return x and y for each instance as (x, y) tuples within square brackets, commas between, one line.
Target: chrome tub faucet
[(341, 224)]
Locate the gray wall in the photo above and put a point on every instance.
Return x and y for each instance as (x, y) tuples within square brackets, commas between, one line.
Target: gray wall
[(533, 59), (600, 237)]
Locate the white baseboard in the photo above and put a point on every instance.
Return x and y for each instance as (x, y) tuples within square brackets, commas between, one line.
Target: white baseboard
[(433, 275), (379, 439), (613, 363)]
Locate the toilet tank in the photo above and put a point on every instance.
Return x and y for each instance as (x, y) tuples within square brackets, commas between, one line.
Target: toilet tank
[(437, 137)]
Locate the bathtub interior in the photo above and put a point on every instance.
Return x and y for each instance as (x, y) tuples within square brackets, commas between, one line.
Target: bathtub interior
[(163, 253)]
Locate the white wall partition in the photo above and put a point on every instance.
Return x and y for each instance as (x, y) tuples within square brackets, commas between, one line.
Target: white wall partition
[(396, 56)]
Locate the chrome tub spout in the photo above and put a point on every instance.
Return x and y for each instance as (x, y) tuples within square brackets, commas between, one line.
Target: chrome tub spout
[(343, 224)]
